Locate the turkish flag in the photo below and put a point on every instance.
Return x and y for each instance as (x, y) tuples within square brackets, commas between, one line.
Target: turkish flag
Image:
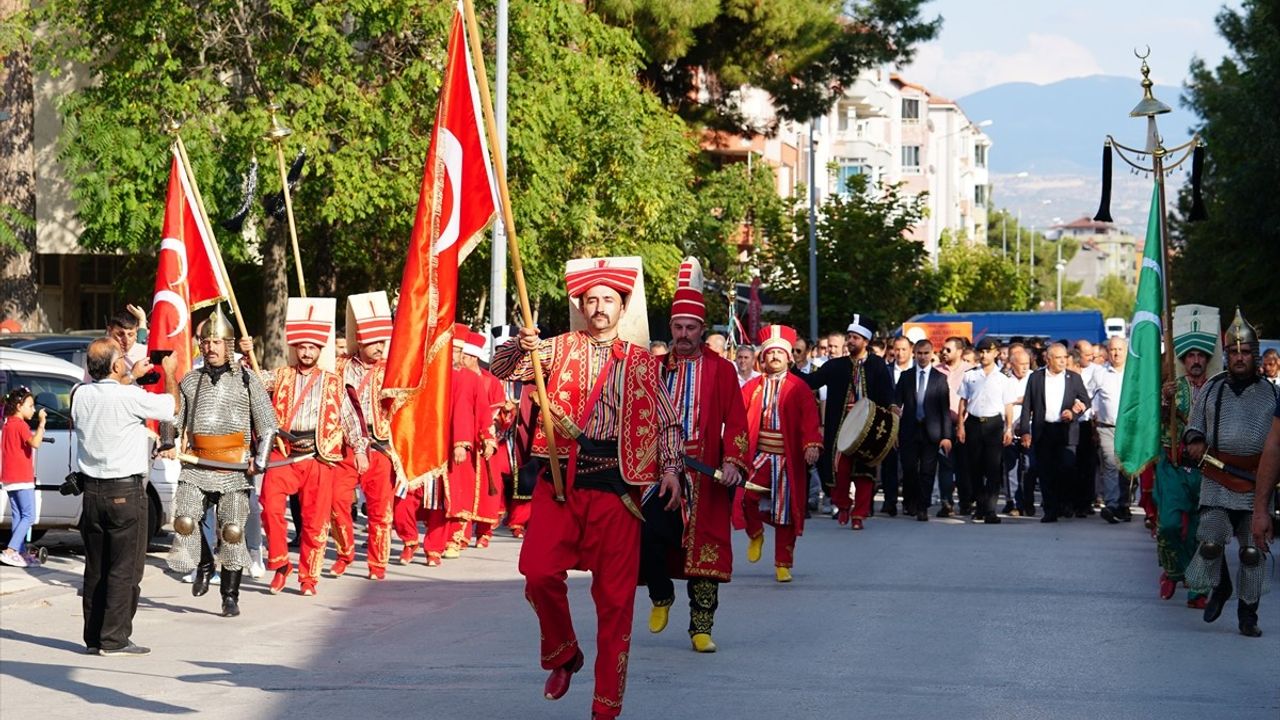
[(456, 203), (187, 277)]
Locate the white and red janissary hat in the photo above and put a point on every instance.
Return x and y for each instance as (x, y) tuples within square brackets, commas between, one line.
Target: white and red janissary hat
[(368, 318), (688, 301), (621, 279), (309, 320), (777, 336), (460, 334), (474, 346)]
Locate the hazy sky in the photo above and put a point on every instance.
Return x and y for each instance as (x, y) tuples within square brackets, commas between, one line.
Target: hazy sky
[(988, 42)]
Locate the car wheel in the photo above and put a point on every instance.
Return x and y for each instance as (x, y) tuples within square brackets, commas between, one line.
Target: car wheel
[(155, 513)]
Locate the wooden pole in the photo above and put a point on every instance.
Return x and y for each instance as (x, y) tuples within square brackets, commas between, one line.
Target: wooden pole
[(217, 251), (508, 220), (276, 135)]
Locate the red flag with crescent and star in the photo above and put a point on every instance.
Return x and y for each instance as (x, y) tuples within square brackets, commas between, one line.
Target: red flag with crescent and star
[(187, 278), (456, 203)]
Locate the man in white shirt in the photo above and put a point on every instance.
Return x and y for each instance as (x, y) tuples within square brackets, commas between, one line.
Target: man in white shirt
[(986, 413), (114, 454), (1017, 458), (745, 360), (129, 329), (1054, 398), (1105, 387)]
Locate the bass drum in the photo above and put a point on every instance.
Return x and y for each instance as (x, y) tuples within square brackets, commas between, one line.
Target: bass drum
[(868, 433)]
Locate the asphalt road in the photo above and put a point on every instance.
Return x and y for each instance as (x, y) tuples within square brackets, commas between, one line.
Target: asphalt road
[(903, 620)]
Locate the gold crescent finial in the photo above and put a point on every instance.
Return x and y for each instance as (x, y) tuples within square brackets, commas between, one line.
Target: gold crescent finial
[(1142, 55)]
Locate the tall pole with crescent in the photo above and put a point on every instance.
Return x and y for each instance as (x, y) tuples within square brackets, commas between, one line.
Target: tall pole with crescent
[(276, 135), (1164, 160), (513, 245), (174, 129)]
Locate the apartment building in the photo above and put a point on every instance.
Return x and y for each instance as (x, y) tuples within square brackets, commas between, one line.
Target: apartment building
[(1104, 250)]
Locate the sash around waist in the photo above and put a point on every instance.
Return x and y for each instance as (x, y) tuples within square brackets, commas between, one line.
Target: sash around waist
[(229, 447), (771, 441)]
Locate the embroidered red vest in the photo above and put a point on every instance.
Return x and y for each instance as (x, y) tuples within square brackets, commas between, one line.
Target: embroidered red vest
[(569, 388), (381, 420), (329, 425)]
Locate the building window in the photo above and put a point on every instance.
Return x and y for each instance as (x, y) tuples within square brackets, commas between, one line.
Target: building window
[(910, 110), (50, 270), (980, 195), (848, 168), (843, 119), (980, 155), (911, 158)]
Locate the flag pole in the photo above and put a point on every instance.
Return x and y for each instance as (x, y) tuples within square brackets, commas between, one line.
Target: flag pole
[(276, 135), (513, 245), (174, 128)]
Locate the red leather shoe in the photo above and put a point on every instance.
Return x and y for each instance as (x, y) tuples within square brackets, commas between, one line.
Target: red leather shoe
[(482, 542), (281, 577), (517, 532), (1167, 587), (406, 555), (559, 679), (309, 589), (433, 559), (842, 516), (377, 573), (857, 523), (339, 567), (1198, 603)]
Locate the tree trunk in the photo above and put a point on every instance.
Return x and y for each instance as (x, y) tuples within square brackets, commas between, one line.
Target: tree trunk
[(18, 183), (275, 292)]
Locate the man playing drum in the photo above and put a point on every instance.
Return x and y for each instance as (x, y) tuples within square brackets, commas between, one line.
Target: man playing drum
[(857, 376)]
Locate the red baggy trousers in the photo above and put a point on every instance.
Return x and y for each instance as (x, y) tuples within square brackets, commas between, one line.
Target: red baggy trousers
[(409, 511), (312, 481), (864, 487), (592, 530), (376, 484), (784, 536)]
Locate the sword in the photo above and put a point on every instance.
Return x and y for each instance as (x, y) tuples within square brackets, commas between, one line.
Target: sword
[(698, 466), (1228, 469), (188, 459)]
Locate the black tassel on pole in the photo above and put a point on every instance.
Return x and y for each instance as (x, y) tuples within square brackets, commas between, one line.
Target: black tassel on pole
[(1198, 212), (1104, 208)]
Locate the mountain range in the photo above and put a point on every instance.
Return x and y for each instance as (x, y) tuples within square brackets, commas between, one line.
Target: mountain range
[(1047, 146)]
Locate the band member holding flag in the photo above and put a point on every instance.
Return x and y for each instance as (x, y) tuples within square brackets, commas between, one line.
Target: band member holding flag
[(696, 544), (1226, 436), (620, 434), (783, 441), (366, 462)]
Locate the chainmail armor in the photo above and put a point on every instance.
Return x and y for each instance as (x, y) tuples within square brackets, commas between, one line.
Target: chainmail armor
[(1217, 525), (222, 408), (231, 507)]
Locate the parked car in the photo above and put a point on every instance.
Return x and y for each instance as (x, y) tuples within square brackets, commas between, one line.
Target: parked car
[(69, 347), (50, 381)]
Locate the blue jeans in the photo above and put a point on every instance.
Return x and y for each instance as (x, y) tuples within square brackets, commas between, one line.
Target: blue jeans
[(22, 506)]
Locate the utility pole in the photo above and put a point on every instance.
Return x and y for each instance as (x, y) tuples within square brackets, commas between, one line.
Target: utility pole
[(813, 238), (498, 261)]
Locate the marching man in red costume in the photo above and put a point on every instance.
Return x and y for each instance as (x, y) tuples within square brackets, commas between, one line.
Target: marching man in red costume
[(513, 429), (311, 405), (472, 438), (784, 440), (698, 546), (498, 416), (616, 426), (367, 460)]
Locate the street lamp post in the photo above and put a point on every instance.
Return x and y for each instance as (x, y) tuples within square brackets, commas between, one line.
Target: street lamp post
[(498, 259), (813, 238)]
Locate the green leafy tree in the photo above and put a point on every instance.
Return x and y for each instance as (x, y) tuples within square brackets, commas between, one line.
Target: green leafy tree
[(977, 278), (803, 52), (866, 264), (1229, 259)]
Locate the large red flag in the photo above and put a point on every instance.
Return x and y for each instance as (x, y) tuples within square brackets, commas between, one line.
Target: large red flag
[(187, 278), (455, 205)]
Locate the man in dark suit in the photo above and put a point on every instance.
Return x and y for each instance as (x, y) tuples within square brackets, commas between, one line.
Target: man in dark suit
[(1055, 397), (925, 429), (848, 379)]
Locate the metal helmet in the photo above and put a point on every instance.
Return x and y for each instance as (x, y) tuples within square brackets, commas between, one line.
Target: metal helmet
[(1240, 333), (217, 327)]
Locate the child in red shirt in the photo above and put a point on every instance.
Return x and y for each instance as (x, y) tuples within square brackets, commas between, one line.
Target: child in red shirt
[(17, 469)]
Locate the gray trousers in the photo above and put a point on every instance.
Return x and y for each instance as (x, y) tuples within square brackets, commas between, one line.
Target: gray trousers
[(1216, 526), (1109, 468), (230, 507)]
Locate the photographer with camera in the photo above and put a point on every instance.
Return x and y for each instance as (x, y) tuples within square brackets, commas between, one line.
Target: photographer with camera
[(113, 447)]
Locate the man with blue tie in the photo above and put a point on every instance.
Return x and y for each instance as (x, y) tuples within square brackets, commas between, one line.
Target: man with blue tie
[(924, 403)]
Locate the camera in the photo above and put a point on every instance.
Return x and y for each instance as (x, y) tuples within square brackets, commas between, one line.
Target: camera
[(71, 485)]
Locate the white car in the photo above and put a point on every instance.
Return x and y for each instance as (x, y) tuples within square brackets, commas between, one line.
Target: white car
[(50, 381)]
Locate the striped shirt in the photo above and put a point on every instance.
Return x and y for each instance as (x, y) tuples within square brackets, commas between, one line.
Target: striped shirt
[(112, 439), (306, 409), (683, 383)]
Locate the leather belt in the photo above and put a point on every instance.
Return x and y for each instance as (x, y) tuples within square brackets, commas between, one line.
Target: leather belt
[(986, 419), (228, 447), (127, 478)]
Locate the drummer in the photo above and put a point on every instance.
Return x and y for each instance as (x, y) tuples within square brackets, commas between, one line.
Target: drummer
[(858, 375)]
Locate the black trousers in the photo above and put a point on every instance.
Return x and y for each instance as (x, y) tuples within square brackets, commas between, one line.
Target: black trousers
[(113, 526), (1055, 466), (919, 467), (889, 480), (984, 450), (660, 540), (1084, 489)]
